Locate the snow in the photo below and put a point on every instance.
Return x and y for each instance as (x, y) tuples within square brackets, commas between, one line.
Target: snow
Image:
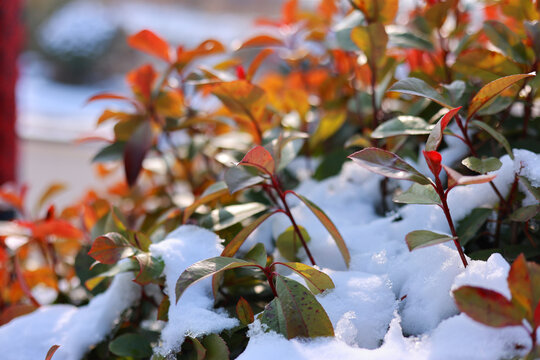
[(29, 337), (390, 304), (193, 315)]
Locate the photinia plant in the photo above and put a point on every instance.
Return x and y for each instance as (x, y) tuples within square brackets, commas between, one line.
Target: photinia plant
[(294, 311), (266, 166), (493, 309), (424, 190)]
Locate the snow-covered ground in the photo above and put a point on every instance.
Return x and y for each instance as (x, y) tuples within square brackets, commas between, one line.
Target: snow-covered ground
[(372, 317)]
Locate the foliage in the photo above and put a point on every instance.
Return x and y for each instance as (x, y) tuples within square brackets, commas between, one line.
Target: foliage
[(337, 79)]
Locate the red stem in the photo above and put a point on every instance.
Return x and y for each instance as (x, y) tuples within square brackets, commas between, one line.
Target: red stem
[(268, 272), (293, 222)]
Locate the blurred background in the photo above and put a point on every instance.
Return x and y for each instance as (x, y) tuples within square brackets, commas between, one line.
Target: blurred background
[(73, 49)]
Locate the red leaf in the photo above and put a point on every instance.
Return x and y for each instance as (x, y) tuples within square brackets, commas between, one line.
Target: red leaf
[(110, 248), (537, 316), (142, 80), (148, 42), (240, 72), (436, 135), (433, 159), (51, 352), (56, 227), (108, 96), (259, 158), (135, 151), (487, 306)]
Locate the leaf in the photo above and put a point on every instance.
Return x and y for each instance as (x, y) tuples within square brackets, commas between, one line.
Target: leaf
[(163, 309), (235, 244), (496, 105), (244, 312), (296, 312), (111, 247), (487, 307), (456, 179), (506, 40), (148, 42), (468, 227), (388, 164), (372, 40), (404, 39), (112, 152), (213, 192), (142, 81), (436, 14), (535, 191), (482, 166), (494, 134), (242, 98), (123, 266), (110, 96), (454, 91), (150, 268), (417, 87), (328, 224), (52, 190), (329, 124), (422, 238), (525, 213), (436, 135), (257, 254), (383, 11), (135, 151), (288, 242), (261, 41), (51, 352), (205, 268), (401, 125), (216, 348), (261, 159), (237, 179), (256, 63), (519, 283), (316, 280), (491, 90), (419, 194), (485, 64), (219, 219), (131, 344)]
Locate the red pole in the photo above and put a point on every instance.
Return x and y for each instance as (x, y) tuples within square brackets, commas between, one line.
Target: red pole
[(10, 42)]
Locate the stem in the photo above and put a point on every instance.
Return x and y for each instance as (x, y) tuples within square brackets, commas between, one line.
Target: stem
[(446, 211), (293, 222), (270, 277)]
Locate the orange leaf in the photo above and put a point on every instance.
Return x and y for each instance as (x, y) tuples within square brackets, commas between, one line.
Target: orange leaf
[(142, 80), (51, 352), (261, 41), (256, 63), (148, 42), (259, 158)]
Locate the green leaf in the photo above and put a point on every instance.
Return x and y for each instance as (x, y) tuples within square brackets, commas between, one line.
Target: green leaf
[(288, 242), (401, 125), (133, 345), (205, 268), (454, 91), (328, 224), (216, 348), (111, 247), (494, 134), (150, 268), (235, 244), (422, 238), (296, 312), (533, 189), (419, 194), (388, 164), (219, 219), (506, 40), (163, 309), (244, 312), (436, 135), (213, 192), (285, 147), (237, 179), (112, 152), (417, 87), (467, 228), (496, 105), (403, 38), (121, 267), (331, 164), (492, 89), (482, 166), (257, 254), (316, 280), (525, 213), (343, 30), (487, 307)]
